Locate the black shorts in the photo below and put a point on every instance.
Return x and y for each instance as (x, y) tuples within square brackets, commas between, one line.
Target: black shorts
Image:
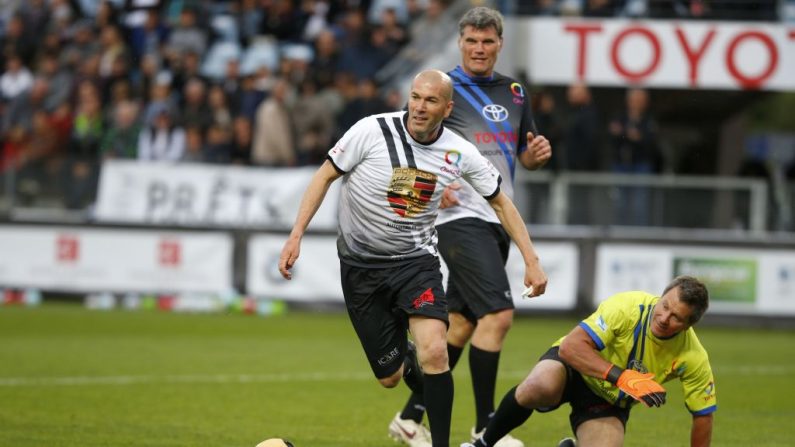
[(380, 300), (475, 252), (585, 404)]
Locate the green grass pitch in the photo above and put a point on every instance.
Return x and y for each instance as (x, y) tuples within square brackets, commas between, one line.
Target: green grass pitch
[(74, 377)]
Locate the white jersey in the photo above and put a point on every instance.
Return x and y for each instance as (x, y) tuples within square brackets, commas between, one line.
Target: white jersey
[(392, 186)]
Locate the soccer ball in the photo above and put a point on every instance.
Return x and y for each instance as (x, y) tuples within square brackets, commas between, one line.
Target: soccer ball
[(275, 442)]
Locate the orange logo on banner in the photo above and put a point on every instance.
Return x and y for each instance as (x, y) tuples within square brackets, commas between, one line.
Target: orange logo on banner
[(67, 248), (170, 253)]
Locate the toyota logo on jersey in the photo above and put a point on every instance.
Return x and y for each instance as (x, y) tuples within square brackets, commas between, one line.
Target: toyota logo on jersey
[(495, 113)]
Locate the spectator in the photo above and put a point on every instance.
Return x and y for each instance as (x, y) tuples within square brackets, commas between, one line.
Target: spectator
[(294, 64), (250, 97), (162, 140), (337, 97), (692, 9), (317, 19), (194, 108), (248, 15), (582, 151), (36, 160), (187, 36), (149, 37), (313, 125), (218, 147), (582, 146), (113, 48), (231, 84), (13, 142), (160, 97), (82, 165), (366, 57), (19, 112), (60, 80), (324, 64), (284, 21), (36, 14), (62, 120), (88, 70), (16, 80), (599, 8), (184, 68), (538, 7), (240, 153), (120, 91), (375, 15), (18, 40), (105, 15), (218, 104), (273, 134), (365, 103), (548, 124), (396, 33), (121, 137), (194, 145), (82, 46), (430, 24), (635, 150)]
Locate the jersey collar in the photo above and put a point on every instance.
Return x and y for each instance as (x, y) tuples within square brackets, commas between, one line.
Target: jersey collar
[(460, 72)]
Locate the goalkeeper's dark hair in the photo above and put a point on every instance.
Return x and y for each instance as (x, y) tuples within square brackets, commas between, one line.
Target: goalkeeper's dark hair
[(693, 293), (481, 17)]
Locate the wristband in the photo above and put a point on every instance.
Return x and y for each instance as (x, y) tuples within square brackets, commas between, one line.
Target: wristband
[(613, 373)]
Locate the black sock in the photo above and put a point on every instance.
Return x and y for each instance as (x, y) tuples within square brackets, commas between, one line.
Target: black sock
[(412, 374), (508, 416), (414, 409), (415, 406), (439, 405), (483, 367), (453, 354)]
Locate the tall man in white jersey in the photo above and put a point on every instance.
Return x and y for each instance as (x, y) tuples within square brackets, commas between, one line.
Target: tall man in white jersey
[(395, 167), (493, 112)]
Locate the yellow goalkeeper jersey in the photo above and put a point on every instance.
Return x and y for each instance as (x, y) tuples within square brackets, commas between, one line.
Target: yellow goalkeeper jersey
[(620, 328)]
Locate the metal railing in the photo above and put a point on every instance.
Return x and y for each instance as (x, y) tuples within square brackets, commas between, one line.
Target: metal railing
[(566, 199), (674, 201)]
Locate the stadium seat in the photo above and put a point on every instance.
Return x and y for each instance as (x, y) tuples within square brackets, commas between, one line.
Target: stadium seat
[(263, 51), (225, 27), (217, 56)]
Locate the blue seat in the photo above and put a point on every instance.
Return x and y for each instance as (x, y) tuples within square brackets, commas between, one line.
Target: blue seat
[(217, 57), (262, 52)]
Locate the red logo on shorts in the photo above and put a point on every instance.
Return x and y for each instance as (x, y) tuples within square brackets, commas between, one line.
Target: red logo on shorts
[(425, 298)]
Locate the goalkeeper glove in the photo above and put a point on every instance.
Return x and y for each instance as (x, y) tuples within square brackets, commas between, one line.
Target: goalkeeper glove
[(640, 386)]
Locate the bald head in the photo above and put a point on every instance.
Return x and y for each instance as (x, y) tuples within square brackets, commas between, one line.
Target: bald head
[(436, 79)]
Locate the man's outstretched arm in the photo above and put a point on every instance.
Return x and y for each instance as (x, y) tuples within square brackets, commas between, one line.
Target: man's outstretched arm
[(313, 197), (579, 351), (516, 228)]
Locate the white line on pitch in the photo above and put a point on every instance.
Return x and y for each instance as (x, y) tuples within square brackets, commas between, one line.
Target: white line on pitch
[(758, 370)]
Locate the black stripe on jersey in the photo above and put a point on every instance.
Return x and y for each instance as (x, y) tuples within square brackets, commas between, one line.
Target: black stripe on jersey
[(406, 146), (390, 143)]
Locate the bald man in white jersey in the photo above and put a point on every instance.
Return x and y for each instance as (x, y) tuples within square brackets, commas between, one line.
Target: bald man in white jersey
[(395, 167)]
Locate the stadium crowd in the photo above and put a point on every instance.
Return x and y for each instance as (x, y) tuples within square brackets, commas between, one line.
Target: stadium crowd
[(266, 83), (251, 82)]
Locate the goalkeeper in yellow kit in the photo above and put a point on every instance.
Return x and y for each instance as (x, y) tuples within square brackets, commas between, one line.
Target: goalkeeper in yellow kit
[(616, 357)]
